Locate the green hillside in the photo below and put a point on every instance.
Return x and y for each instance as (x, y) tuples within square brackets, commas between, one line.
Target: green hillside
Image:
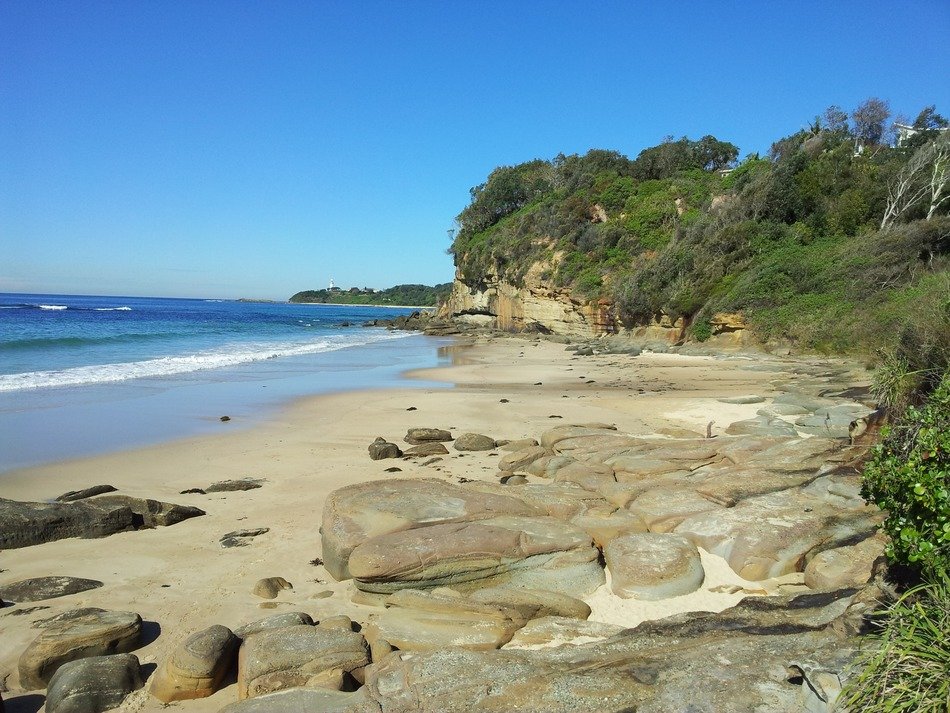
[(838, 239), (412, 295)]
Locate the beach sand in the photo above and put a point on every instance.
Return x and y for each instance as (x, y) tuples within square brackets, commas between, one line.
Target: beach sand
[(180, 579)]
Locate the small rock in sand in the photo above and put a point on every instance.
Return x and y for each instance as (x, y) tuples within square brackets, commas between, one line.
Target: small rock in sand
[(270, 587), (242, 538)]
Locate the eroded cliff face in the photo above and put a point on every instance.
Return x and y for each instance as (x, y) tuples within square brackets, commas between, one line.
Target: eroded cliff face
[(540, 306)]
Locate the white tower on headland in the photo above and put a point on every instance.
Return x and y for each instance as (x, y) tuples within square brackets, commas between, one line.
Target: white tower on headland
[(331, 283)]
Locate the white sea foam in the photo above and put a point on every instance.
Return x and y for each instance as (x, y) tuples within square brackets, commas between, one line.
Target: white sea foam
[(113, 309), (55, 307), (233, 355)]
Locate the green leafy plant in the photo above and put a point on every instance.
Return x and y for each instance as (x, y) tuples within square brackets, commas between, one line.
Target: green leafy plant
[(908, 476)]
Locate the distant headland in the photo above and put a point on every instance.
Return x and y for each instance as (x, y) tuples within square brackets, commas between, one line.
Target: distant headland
[(414, 295)]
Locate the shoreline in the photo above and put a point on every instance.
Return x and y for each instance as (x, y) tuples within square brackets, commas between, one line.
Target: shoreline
[(180, 578)]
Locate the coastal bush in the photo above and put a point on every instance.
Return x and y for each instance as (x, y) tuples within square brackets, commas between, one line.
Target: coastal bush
[(908, 476), (904, 663)]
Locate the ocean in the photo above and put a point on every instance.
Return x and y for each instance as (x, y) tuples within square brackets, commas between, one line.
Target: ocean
[(82, 375)]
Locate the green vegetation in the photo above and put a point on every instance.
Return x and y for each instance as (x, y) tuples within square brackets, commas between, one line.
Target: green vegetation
[(410, 295), (836, 240), (904, 668)]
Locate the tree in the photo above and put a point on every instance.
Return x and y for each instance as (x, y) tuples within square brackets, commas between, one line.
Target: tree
[(836, 119), (869, 121), (925, 177)]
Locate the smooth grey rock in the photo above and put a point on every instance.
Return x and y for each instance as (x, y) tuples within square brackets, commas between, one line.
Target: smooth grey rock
[(276, 621), (78, 634), (93, 684), (651, 566), (74, 495), (474, 442), (534, 552), (761, 426), (356, 513), (381, 449), (560, 631), (741, 400), (39, 589), (416, 436)]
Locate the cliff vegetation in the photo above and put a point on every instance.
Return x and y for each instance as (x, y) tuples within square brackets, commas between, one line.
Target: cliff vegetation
[(838, 239)]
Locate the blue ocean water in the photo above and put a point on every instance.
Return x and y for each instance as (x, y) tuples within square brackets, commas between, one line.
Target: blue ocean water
[(81, 375)]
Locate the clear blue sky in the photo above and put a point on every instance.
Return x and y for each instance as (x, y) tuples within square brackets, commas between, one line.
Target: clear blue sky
[(239, 148)]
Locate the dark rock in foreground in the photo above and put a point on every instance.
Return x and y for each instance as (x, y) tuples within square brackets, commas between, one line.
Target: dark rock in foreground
[(23, 524), (94, 684), (41, 588)]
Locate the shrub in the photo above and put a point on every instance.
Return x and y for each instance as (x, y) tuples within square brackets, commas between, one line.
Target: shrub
[(908, 476)]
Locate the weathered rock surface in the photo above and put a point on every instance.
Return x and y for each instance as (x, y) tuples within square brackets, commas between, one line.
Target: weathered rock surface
[(736, 661), (653, 566), (540, 553), (93, 684), (518, 460), (305, 700), (196, 667), (74, 495), (415, 436), (41, 588), (771, 535), (381, 449), (357, 513), (559, 631), (845, 566), (474, 442), (275, 659), (92, 632)]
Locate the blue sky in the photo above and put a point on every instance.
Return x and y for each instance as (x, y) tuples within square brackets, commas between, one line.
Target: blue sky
[(248, 149)]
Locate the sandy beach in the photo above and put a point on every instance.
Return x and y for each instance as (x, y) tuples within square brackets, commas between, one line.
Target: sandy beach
[(180, 579)]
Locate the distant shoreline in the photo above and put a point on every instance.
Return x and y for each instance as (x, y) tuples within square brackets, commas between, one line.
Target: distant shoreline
[(349, 304)]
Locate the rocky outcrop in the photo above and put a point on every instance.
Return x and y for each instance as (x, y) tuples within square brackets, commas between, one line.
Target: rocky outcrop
[(39, 589), (23, 524)]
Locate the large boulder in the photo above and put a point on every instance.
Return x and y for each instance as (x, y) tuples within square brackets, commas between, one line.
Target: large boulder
[(277, 621), (649, 565), (148, 512), (23, 524), (381, 449), (359, 512), (850, 566), (78, 634), (94, 684), (291, 656), (73, 495), (196, 667), (534, 552), (41, 588)]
